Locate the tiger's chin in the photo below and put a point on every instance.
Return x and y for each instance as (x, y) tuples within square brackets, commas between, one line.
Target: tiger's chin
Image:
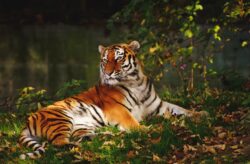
[(111, 82)]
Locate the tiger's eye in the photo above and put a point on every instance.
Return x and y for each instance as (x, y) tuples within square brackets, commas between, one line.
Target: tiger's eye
[(104, 61), (120, 58)]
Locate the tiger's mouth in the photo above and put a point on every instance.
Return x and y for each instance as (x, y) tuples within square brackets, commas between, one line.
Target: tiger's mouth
[(112, 80)]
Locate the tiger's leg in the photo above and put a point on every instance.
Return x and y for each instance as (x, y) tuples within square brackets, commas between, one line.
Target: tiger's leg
[(121, 116), (79, 134), (59, 135), (172, 109), (159, 107)]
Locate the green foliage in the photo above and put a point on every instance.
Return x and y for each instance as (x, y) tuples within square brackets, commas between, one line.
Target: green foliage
[(181, 36), (30, 100), (70, 88)]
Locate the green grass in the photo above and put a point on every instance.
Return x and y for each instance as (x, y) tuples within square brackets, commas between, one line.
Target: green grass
[(166, 140)]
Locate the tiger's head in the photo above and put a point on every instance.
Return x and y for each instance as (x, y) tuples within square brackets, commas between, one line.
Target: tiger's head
[(119, 64)]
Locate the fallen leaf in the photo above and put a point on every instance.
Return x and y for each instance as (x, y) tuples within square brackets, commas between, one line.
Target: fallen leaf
[(222, 135), (156, 158), (221, 146), (234, 147), (155, 141), (131, 154), (77, 156), (187, 148), (109, 143), (167, 115), (75, 149), (209, 149)]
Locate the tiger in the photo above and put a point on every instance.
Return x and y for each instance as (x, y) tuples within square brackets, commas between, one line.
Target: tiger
[(123, 97)]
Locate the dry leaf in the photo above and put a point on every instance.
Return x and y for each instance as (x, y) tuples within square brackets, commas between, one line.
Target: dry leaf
[(222, 135), (187, 148), (221, 146), (156, 158), (75, 149), (131, 154), (218, 129), (234, 147), (77, 156), (109, 143), (167, 115), (209, 149), (155, 141)]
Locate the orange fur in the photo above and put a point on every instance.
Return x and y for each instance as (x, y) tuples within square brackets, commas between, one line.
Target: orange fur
[(104, 97)]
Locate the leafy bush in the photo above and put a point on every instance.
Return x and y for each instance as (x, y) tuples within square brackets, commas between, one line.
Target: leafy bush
[(70, 88), (30, 99), (181, 37)]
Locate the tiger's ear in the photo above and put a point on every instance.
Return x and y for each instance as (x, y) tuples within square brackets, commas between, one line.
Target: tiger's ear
[(101, 48), (134, 45)]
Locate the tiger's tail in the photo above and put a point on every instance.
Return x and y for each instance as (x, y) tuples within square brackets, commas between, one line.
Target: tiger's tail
[(32, 142)]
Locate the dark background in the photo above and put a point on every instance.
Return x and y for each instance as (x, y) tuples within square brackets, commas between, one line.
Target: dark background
[(58, 11)]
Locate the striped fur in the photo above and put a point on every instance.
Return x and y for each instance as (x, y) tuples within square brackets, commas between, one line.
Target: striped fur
[(124, 97)]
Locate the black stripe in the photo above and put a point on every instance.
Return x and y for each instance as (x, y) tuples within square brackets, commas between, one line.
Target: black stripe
[(129, 58), (50, 126), (152, 101), (98, 121), (84, 109), (32, 145), (67, 102), (42, 116), (130, 66), (62, 113), (78, 100), (141, 82), (97, 113), (124, 66), (129, 93), (55, 120), (37, 147), (26, 142), (60, 128), (156, 111), (41, 151), (84, 129), (29, 128), (60, 119), (149, 84), (22, 138), (134, 73), (56, 136), (120, 103), (35, 115), (135, 64), (133, 57), (57, 115), (127, 99), (158, 108), (35, 154)]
